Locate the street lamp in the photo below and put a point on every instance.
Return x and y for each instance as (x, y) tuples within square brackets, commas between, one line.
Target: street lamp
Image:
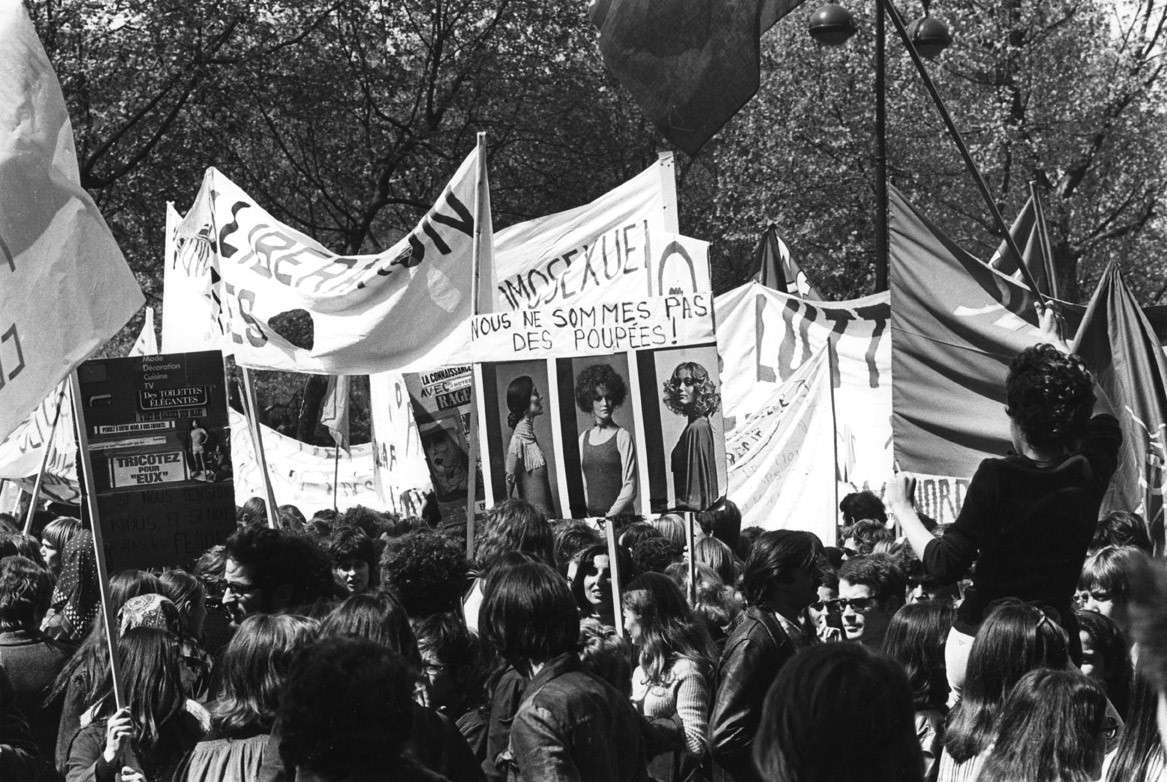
[(832, 25)]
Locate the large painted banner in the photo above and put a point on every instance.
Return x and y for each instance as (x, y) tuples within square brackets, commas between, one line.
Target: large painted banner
[(406, 306), (781, 458), (764, 337), (64, 286), (306, 475)]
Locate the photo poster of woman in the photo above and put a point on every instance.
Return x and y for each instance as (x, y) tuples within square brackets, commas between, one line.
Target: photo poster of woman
[(441, 409), (518, 430), (598, 418), (683, 428)]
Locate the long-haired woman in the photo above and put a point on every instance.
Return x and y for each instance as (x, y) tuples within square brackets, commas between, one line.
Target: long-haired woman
[(252, 675), (512, 525), (84, 679), (1106, 657), (673, 675), (189, 596), (378, 617), (157, 726), (54, 537), (1051, 729), (1014, 639), (915, 639), (691, 392), (1139, 756), (525, 465), (76, 599)]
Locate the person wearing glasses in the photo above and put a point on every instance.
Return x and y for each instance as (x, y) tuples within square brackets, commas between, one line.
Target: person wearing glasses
[(270, 571), (607, 454), (871, 590), (691, 393)]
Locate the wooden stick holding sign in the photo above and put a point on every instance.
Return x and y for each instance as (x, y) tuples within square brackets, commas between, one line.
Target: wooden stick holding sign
[(481, 299), (40, 476), (257, 435), (89, 492), (614, 567), (691, 555)]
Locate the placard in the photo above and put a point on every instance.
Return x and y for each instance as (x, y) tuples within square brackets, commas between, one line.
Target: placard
[(160, 451)]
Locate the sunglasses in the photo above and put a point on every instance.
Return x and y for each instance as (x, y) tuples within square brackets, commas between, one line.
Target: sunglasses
[(687, 381), (860, 605)]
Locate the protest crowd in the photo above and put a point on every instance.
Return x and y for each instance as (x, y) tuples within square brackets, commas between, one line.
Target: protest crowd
[(609, 543), (1025, 641)]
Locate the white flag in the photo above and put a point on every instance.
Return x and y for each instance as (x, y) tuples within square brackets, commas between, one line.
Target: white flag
[(147, 342), (405, 307), (188, 321), (64, 285)]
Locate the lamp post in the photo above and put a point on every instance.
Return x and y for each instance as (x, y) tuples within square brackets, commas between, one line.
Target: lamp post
[(833, 25)]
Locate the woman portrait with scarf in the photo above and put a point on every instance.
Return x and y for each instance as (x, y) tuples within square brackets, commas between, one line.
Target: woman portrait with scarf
[(526, 467)]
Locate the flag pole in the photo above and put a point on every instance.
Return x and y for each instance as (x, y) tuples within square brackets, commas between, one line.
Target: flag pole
[(1047, 253), (257, 435), (480, 197), (85, 467), (969, 163), (36, 487)]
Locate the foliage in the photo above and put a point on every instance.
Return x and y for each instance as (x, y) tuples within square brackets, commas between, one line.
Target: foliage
[(344, 118)]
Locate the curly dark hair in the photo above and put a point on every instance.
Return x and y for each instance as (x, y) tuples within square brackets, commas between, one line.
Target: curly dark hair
[(427, 572), (279, 558), (655, 554), (346, 710), (1050, 395), (706, 400), (594, 376)]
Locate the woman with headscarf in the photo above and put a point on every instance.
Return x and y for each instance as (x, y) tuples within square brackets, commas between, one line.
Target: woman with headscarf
[(76, 598), (526, 467)]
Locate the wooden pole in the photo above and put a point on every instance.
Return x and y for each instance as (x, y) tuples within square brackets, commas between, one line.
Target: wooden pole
[(481, 200), (957, 139), (691, 556), (40, 476), (85, 468), (335, 478), (257, 435), (614, 564)]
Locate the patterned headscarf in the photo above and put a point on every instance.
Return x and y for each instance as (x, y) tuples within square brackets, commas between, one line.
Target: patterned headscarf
[(76, 594), (150, 610)]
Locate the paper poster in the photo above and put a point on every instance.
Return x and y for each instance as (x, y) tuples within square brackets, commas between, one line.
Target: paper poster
[(160, 451)]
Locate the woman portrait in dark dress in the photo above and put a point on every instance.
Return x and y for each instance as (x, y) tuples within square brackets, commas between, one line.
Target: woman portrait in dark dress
[(607, 455), (526, 467), (691, 392)]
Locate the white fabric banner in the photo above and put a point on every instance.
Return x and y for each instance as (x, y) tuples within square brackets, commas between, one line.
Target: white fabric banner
[(781, 457), (617, 247), (403, 307), (22, 451), (302, 474), (64, 286), (764, 336), (399, 461)]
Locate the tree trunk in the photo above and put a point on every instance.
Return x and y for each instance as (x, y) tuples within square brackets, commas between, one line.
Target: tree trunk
[(315, 387)]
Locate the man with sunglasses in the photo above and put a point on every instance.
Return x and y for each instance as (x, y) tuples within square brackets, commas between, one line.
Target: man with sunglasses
[(871, 590)]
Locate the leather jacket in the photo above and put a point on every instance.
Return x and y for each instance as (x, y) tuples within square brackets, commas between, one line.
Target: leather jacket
[(571, 725), (755, 651)]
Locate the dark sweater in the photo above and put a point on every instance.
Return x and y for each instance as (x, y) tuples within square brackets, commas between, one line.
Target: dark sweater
[(32, 663), (1027, 527)]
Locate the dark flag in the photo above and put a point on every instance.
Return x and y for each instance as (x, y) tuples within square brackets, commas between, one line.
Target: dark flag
[(774, 268), (1031, 236), (956, 324), (1117, 342), (689, 64)]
